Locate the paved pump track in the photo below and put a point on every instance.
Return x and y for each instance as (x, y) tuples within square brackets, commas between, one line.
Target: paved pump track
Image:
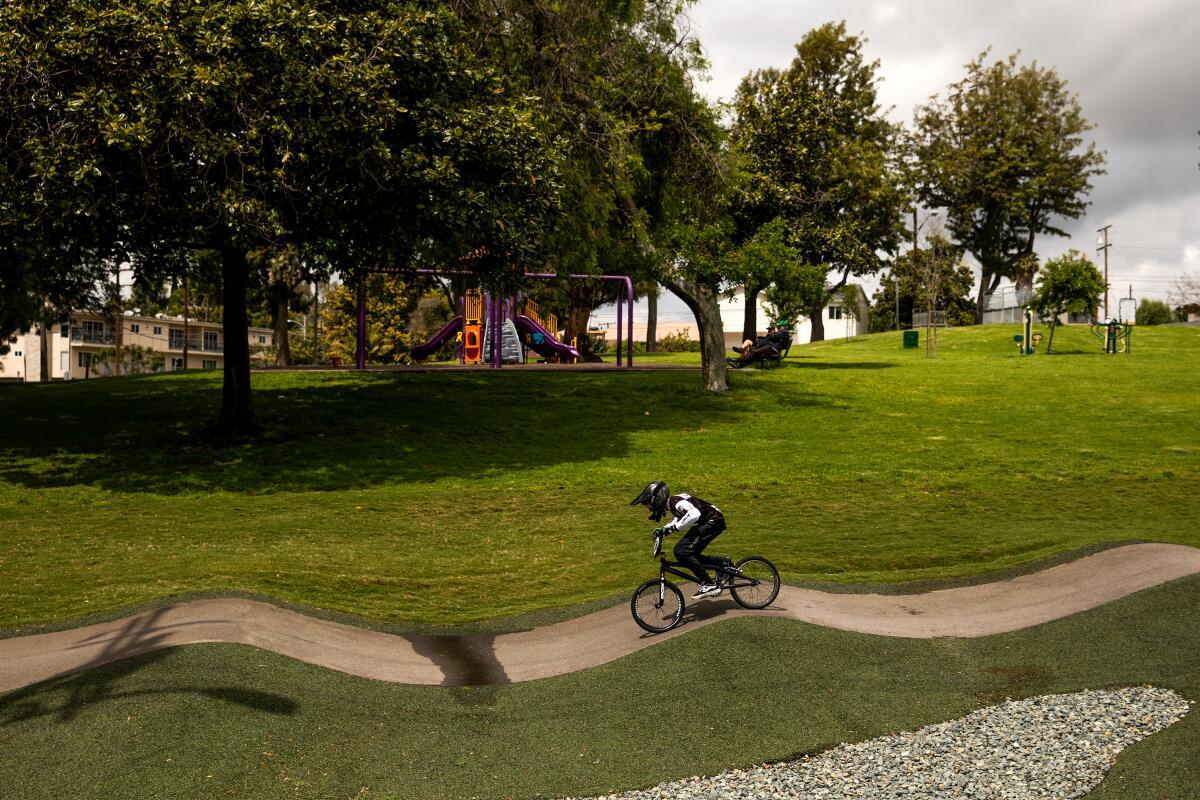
[(453, 660)]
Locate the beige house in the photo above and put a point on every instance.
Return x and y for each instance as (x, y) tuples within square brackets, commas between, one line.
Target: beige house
[(83, 347)]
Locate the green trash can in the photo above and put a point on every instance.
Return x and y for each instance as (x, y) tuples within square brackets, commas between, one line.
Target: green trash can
[(912, 340)]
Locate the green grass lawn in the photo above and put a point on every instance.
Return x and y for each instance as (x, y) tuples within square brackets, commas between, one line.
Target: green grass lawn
[(415, 498)]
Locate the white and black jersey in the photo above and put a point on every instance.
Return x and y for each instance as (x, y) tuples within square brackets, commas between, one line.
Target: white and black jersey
[(689, 511)]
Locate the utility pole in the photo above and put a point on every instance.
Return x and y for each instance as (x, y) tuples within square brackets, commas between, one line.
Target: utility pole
[(913, 268), (1103, 244), (896, 280)]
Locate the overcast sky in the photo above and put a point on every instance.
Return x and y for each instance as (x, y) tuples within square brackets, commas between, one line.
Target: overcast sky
[(1135, 65)]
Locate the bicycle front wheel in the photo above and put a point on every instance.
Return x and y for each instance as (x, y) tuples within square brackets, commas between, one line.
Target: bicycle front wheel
[(757, 585), (657, 605)]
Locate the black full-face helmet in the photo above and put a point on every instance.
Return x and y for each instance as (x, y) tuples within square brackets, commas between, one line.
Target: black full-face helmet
[(654, 497)]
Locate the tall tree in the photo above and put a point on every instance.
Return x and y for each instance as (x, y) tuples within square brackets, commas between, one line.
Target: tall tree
[(1005, 154), (613, 79), (821, 155), (363, 131)]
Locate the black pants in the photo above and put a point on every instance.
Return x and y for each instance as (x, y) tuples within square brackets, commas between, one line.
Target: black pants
[(689, 550)]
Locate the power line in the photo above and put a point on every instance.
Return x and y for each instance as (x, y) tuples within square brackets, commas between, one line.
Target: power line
[(1159, 230)]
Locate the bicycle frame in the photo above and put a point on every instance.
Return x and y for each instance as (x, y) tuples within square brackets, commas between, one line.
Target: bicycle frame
[(730, 573)]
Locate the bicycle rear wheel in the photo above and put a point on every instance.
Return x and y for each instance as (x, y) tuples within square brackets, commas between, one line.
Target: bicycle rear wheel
[(657, 606), (758, 585)]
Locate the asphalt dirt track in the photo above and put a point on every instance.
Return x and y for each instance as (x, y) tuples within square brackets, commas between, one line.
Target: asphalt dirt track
[(597, 638)]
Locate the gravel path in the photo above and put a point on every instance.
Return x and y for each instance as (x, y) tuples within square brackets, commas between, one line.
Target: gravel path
[(1055, 746)]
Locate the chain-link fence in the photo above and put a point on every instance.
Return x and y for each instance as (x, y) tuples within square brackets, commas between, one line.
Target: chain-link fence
[(1005, 305), (921, 319)]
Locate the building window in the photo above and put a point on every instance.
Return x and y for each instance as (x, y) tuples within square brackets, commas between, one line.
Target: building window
[(85, 359), (175, 339), (835, 312), (17, 353), (134, 327), (93, 331), (262, 340), (176, 363), (64, 361), (209, 363), (210, 341), (158, 330), (64, 331)]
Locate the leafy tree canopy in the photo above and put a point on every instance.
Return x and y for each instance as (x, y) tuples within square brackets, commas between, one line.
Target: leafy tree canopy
[(365, 132), (613, 80), (1005, 154), (819, 154), (1067, 284)]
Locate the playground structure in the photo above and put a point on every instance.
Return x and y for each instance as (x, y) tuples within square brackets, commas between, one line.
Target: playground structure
[(489, 328)]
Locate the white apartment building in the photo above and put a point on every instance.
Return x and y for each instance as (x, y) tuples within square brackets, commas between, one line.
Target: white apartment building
[(674, 317), (75, 346)]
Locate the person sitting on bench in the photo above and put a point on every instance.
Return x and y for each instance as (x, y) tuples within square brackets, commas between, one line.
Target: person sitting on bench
[(772, 345)]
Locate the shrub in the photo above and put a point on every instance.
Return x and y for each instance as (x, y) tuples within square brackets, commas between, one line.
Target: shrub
[(678, 342), (1153, 312)]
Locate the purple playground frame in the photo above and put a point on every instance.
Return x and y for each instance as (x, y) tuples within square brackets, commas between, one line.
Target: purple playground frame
[(497, 314)]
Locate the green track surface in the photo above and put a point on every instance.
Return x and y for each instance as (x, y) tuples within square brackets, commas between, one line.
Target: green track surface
[(413, 498), (230, 721)]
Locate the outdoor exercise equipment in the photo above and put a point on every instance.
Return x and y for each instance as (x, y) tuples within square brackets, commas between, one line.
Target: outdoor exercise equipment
[(1027, 342), (1115, 335)]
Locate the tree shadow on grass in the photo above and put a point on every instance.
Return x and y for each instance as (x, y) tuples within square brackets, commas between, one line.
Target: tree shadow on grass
[(99, 680), (871, 365), (338, 431)]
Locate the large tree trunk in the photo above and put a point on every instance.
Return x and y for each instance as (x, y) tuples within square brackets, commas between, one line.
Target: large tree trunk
[(1023, 279), (237, 403), (986, 285), (816, 316), (44, 345), (652, 321), (581, 297), (706, 306), (750, 321), (279, 318)]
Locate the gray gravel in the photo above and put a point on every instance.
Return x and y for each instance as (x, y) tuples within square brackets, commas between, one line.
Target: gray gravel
[(1055, 746)]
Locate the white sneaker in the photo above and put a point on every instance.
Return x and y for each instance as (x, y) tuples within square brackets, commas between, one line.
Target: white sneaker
[(706, 590)]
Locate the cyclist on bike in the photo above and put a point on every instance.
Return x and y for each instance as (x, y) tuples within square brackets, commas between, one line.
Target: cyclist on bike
[(702, 522)]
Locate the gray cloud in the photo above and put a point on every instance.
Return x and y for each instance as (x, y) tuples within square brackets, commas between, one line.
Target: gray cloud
[(1134, 67)]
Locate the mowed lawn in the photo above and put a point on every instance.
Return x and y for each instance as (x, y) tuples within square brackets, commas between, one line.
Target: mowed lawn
[(453, 497)]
